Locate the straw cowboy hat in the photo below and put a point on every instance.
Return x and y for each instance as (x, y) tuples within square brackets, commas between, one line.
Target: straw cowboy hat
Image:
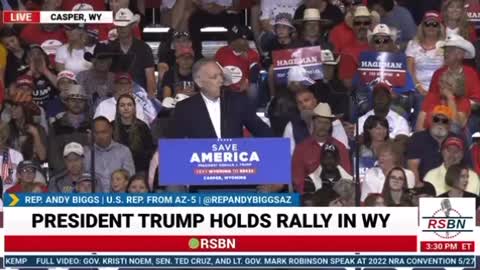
[(383, 30), (311, 15), (454, 40), (362, 11), (323, 110)]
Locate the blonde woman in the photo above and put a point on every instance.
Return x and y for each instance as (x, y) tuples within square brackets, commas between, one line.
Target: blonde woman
[(456, 20), (70, 56), (424, 56)]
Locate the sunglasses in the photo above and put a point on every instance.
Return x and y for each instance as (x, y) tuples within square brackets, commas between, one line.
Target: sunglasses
[(382, 40), (362, 23), (440, 120), (431, 24)]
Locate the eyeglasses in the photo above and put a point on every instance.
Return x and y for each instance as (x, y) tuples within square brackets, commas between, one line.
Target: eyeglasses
[(27, 170), (431, 24), (440, 120), (363, 23), (379, 41)]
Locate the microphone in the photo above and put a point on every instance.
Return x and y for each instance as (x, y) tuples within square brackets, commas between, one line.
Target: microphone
[(446, 207)]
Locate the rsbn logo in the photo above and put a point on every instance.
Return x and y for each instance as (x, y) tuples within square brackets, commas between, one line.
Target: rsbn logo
[(447, 222)]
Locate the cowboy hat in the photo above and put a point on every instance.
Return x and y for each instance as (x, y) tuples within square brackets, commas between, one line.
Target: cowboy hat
[(362, 11), (101, 51), (125, 17), (323, 110), (454, 40), (311, 14)]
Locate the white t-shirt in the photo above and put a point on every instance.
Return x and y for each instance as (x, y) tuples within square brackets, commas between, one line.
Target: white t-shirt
[(271, 8), (15, 158), (375, 179), (426, 61), (73, 61), (397, 124), (108, 109)]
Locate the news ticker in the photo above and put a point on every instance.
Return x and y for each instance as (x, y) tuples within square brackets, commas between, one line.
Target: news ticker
[(152, 200), (57, 17), (240, 261), (248, 225)]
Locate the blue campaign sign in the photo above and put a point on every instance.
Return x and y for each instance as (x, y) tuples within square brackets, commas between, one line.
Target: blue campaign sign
[(224, 161), (383, 66)]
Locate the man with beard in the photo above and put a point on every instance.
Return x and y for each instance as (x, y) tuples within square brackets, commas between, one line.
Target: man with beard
[(300, 127), (382, 99), (423, 150), (308, 154)]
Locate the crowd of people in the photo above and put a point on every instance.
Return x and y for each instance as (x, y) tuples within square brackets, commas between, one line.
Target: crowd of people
[(76, 99)]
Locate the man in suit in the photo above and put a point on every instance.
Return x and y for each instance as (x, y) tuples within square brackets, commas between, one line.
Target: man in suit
[(216, 112)]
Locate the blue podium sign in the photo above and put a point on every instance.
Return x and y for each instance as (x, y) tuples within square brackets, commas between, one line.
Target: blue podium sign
[(224, 161)]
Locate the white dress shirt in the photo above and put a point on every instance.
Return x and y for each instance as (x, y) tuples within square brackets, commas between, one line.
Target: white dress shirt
[(213, 108)]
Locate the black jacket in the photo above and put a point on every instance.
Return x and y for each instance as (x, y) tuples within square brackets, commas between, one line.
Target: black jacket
[(191, 118)]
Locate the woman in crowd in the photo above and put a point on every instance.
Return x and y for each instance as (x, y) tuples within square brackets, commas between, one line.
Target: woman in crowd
[(374, 199), (16, 63), (26, 136), (376, 133), (395, 188), (424, 56), (452, 95), (28, 176), (133, 133), (389, 157), (138, 184), (70, 56), (119, 181), (456, 21), (457, 179)]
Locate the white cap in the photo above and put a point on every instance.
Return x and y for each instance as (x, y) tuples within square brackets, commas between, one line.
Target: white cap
[(74, 148), (383, 29)]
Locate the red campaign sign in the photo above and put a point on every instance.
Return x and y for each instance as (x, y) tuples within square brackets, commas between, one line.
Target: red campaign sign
[(383, 66), (473, 12), (308, 57)]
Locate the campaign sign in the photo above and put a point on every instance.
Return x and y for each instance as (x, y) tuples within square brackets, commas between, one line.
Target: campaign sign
[(386, 67), (224, 161), (473, 12), (366, 163), (309, 58)]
